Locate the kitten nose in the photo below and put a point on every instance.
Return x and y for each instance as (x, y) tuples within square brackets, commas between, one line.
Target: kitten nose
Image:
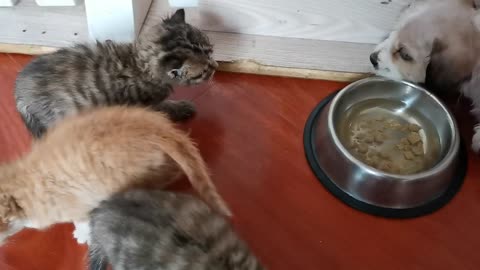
[(374, 59)]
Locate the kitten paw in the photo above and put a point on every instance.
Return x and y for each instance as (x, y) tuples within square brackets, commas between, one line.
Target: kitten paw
[(177, 111), (82, 232), (184, 110), (476, 139)]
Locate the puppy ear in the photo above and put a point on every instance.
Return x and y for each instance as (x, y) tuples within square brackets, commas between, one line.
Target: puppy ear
[(9, 208), (442, 76), (476, 20), (472, 3), (437, 47)]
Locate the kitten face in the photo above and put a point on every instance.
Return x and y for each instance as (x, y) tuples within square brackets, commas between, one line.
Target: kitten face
[(187, 51), (10, 213), (9, 229)]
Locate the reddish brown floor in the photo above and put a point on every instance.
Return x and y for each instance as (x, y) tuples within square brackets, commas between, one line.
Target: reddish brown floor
[(249, 129)]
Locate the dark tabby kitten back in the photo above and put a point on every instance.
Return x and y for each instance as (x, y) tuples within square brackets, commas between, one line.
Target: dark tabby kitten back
[(71, 79), (152, 230)]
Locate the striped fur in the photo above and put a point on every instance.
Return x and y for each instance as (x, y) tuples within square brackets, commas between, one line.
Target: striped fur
[(102, 74), (147, 230)]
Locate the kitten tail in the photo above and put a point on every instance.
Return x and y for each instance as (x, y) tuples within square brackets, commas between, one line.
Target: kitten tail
[(32, 122), (96, 259), (184, 152)]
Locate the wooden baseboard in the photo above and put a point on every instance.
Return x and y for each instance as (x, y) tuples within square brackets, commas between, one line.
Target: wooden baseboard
[(240, 66), (252, 67), (26, 49)]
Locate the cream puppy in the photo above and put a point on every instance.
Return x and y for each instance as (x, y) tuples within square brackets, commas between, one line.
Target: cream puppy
[(436, 42)]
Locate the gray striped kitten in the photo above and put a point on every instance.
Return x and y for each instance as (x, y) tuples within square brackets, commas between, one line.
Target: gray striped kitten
[(143, 73), (150, 230)]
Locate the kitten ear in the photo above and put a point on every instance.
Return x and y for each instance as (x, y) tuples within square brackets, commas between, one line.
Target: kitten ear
[(177, 18), (9, 208)]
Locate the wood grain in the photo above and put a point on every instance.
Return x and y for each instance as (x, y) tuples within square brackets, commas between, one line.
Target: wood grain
[(321, 35), (274, 51), (249, 129), (27, 23), (280, 51), (242, 66), (252, 67), (28, 49), (293, 53), (366, 21)]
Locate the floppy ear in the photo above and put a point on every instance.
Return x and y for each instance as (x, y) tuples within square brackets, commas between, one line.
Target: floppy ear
[(476, 20), (443, 76), (9, 209), (177, 18), (473, 3), (437, 47)]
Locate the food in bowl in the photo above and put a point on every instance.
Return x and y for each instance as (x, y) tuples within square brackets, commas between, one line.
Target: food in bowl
[(391, 142)]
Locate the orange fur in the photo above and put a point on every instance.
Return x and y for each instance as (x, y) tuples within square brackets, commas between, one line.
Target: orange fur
[(86, 158)]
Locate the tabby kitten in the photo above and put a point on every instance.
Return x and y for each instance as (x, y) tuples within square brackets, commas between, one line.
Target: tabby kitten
[(71, 79), (164, 230), (91, 156)]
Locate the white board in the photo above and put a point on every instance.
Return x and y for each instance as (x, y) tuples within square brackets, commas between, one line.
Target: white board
[(328, 35), (360, 21)]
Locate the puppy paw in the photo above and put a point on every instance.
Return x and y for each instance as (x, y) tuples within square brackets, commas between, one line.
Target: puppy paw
[(82, 232), (476, 139)]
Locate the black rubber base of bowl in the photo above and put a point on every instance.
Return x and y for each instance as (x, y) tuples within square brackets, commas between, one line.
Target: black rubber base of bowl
[(422, 210)]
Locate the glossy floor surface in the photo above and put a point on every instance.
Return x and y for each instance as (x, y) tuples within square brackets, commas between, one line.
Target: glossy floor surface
[(249, 129)]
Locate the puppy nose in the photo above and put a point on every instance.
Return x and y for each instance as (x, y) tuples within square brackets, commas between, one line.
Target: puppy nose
[(374, 59)]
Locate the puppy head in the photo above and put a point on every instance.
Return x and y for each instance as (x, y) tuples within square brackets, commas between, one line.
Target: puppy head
[(10, 217), (405, 55), (421, 36)]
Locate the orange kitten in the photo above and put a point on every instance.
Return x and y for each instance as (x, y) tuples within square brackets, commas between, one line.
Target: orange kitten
[(86, 158)]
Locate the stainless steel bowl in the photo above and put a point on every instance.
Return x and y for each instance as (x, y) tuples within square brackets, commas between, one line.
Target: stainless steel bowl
[(370, 185)]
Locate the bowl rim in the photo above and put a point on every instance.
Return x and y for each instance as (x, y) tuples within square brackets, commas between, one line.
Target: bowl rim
[(439, 167)]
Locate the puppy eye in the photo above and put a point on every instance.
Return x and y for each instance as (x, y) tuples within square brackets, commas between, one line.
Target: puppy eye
[(404, 55)]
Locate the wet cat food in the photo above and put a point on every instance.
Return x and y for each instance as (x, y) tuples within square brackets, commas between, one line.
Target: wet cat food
[(370, 136)]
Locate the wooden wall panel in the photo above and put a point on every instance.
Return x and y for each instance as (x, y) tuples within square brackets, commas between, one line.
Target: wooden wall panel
[(327, 35), (292, 52), (27, 23), (365, 21)]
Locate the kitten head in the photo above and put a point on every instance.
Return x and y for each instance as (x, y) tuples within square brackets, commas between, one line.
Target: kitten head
[(178, 52), (10, 216)]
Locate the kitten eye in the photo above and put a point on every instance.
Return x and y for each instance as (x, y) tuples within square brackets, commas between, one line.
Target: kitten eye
[(404, 55)]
